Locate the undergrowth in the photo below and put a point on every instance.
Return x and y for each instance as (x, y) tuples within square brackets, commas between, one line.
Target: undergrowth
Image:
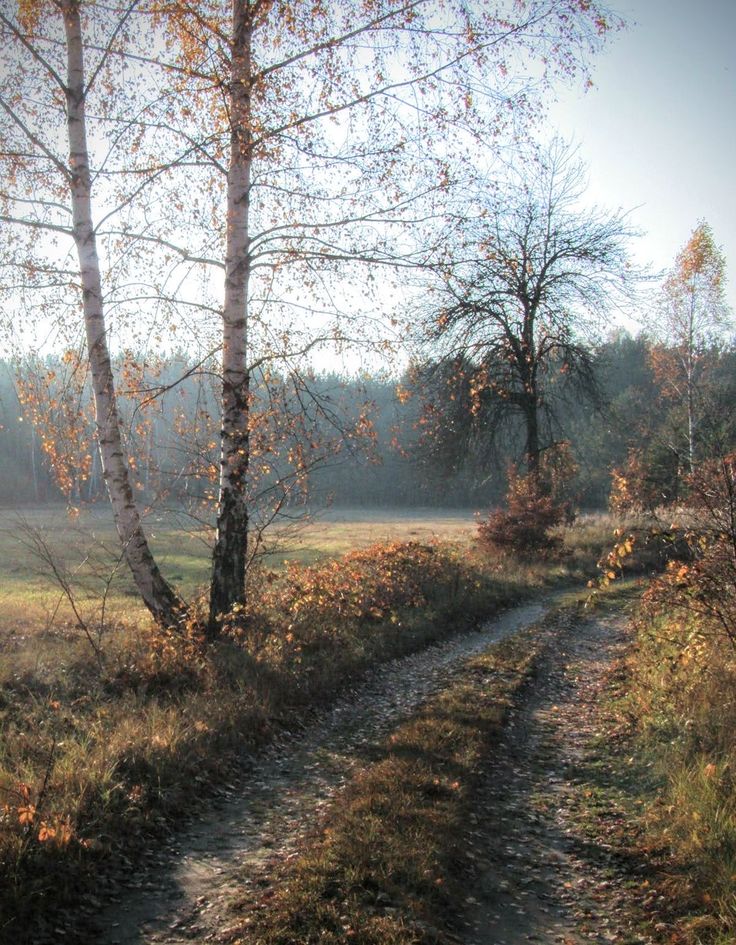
[(677, 700), (680, 699)]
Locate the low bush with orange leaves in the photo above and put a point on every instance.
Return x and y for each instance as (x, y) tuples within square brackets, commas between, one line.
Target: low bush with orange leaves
[(536, 506), (526, 526), (317, 625)]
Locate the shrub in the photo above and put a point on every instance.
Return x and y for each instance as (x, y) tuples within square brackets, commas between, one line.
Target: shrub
[(525, 525), (643, 483)]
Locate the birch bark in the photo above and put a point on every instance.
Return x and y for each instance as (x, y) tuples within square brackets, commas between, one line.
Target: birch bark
[(231, 544), (157, 594)]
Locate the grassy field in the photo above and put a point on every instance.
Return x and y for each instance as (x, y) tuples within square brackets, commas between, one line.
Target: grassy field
[(101, 744), (85, 550)]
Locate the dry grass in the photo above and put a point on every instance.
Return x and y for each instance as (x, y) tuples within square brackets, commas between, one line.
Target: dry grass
[(665, 763), (385, 866), (681, 685), (93, 761), (96, 759), (86, 546)]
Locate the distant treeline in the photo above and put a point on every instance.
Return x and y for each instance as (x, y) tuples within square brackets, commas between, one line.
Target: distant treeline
[(420, 444)]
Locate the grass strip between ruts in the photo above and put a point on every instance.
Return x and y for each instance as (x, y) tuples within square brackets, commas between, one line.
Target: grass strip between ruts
[(385, 864)]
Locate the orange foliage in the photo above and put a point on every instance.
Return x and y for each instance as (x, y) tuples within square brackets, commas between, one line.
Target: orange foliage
[(525, 525), (55, 400), (308, 607), (699, 583), (632, 486), (367, 584), (25, 807), (535, 505)]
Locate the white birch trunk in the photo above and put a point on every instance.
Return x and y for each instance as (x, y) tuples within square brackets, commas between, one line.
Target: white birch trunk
[(690, 373), (157, 594), (229, 554)]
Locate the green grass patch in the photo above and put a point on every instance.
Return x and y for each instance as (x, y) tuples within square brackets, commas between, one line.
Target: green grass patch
[(86, 547)]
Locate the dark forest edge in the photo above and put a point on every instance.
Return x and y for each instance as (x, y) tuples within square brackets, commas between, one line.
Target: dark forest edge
[(429, 443)]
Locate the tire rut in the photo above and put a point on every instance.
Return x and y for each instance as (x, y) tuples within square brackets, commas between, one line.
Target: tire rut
[(182, 893), (539, 877)]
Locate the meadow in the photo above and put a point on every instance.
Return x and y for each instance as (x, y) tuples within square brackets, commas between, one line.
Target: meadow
[(85, 550)]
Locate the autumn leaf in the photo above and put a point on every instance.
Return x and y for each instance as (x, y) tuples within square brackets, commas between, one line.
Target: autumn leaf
[(46, 833), (26, 814)]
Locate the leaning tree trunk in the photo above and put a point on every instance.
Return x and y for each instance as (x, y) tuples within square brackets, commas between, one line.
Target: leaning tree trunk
[(229, 555), (157, 594)]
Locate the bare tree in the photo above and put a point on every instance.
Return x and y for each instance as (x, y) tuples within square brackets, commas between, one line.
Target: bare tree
[(514, 307)]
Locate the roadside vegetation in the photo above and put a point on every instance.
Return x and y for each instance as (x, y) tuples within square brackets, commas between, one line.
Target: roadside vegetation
[(106, 745), (667, 758)]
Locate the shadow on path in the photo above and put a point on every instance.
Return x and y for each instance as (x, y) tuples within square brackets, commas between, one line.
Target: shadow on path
[(540, 878), (182, 892)]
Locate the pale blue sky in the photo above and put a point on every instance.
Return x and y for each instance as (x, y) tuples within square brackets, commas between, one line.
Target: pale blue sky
[(658, 131)]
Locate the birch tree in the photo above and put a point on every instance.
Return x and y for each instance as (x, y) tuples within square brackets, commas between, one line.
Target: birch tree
[(694, 321), (255, 165), (33, 156), (361, 156)]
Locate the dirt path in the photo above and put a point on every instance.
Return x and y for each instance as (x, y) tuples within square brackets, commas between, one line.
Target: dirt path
[(182, 893), (541, 878)]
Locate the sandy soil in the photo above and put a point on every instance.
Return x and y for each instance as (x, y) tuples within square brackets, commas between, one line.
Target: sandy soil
[(540, 876)]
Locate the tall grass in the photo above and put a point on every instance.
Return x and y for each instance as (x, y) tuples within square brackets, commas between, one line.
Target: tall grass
[(682, 699), (94, 760)]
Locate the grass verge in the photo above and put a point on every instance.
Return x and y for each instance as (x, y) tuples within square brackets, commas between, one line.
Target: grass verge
[(657, 784)]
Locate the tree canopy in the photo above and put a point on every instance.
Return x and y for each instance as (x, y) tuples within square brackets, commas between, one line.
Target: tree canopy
[(514, 307)]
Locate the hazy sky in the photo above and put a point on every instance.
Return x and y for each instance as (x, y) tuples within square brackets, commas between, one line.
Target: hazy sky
[(658, 131)]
